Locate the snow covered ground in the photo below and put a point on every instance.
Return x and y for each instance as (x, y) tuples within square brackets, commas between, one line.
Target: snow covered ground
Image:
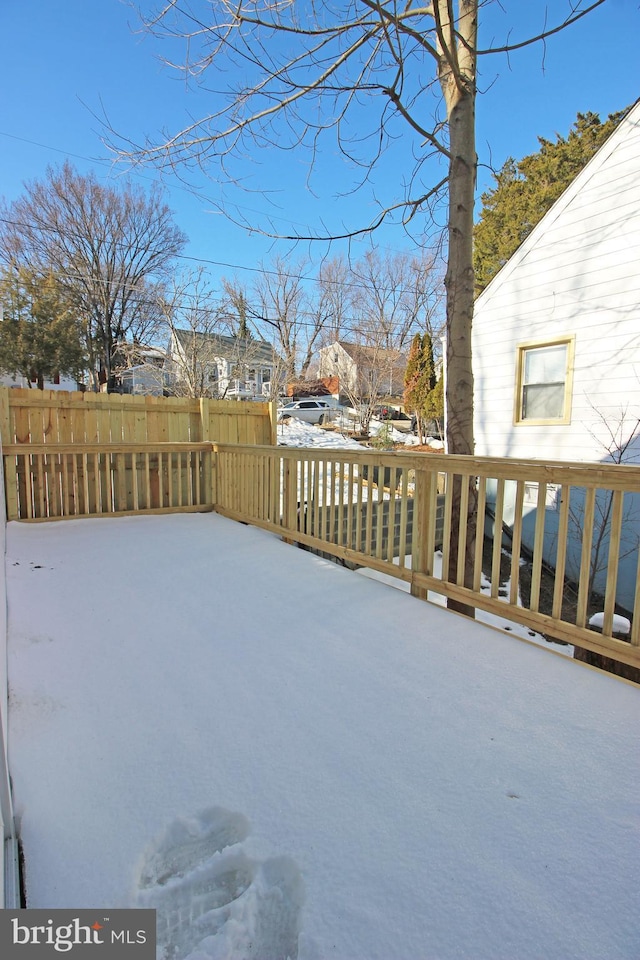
[(295, 433), (501, 623), (287, 759)]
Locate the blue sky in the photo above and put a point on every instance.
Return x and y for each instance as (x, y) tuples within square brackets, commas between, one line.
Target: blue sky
[(67, 61)]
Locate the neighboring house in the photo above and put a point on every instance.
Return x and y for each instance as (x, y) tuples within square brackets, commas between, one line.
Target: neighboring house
[(230, 367), (556, 334), (58, 382), (145, 372), (145, 379), (364, 371)]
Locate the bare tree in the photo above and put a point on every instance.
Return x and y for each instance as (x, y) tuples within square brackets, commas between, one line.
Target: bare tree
[(390, 297), (237, 307), (396, 296), (211, 351), (306, 69), (378, 373), (278, 308), (278, 303), (336, 290), (618, 437), (111, 249), (192, 316)]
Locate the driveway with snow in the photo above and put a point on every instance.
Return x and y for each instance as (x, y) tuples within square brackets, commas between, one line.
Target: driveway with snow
[(287, 759)]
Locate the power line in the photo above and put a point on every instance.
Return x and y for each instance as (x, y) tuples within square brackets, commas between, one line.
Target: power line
[(363, 285), (348, 324), (182, 188)]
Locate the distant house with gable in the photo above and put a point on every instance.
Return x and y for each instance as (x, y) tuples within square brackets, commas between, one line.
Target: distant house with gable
[(364, 370), (230, 367), (142, 370)]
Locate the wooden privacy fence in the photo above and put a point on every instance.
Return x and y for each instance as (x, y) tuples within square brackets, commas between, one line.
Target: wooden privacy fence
[(57, 416), (327, 500)]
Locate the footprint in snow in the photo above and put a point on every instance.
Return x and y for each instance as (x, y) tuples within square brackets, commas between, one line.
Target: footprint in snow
[(213, 902)]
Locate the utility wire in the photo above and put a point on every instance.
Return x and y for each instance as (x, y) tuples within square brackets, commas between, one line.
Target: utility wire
[(159, 182), (350, 324), (364, 285)]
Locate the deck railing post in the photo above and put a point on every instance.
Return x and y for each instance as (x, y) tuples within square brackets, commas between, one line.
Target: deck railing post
[(209, 478), (9, 463), (209, 459), (289, 496), (424, 526)]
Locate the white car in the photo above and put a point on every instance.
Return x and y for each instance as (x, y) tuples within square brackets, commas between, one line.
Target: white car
[(311, 411)]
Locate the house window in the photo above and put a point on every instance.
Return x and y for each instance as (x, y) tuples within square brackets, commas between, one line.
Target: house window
[(544, 382), (552, 495)]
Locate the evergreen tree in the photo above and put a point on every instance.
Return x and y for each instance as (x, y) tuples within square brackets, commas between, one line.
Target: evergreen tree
[(435, 405), (527, 188), (39, 336), (412, 372), (420, 380)]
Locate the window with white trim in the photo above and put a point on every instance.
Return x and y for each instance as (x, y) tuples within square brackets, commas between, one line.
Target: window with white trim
[(544, 382)]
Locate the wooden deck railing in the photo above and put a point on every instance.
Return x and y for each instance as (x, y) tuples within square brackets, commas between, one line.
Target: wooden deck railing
[(53, 481), (392, 512)]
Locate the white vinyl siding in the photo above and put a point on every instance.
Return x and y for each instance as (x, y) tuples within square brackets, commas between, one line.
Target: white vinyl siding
[(575, 278)]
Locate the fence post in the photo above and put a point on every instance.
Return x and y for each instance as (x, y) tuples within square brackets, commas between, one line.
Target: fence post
[(273, 419), (209, 460), (8, 463)]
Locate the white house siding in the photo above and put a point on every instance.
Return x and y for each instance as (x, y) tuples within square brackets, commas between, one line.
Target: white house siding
[(577, 274), (336, 362), (66, 383)]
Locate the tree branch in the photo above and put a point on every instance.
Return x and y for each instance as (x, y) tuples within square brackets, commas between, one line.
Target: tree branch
[(508, 48)]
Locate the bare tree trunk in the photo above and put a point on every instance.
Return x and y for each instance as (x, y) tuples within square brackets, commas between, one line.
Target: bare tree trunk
[(459, 280), (457, 73)]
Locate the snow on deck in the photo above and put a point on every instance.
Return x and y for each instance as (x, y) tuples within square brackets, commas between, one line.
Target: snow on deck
[(287, 759)]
